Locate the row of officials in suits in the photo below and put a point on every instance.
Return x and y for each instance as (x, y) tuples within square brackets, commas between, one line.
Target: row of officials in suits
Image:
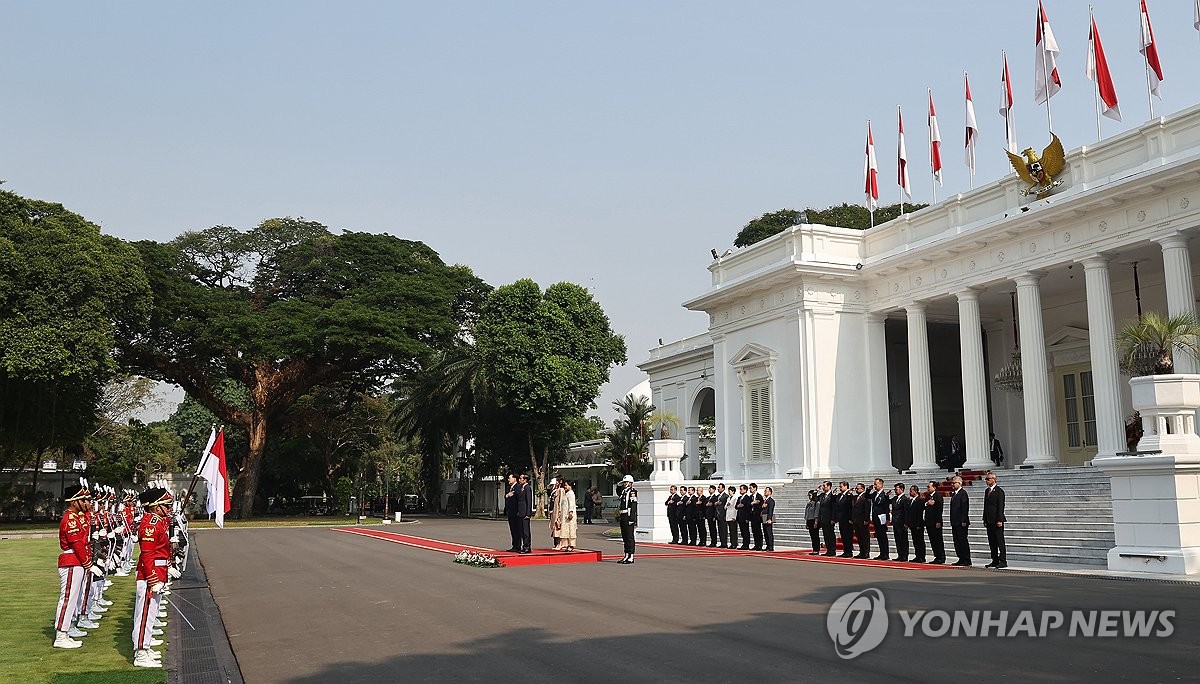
[(912, 516), (718, 517)]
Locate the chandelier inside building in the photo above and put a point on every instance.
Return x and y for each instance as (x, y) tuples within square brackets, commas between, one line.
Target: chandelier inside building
[(1009, 377)]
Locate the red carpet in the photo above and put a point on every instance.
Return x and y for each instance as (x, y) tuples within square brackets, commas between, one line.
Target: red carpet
[(536, 557)]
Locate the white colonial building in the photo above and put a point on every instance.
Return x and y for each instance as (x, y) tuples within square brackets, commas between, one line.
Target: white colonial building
[(834, 351)]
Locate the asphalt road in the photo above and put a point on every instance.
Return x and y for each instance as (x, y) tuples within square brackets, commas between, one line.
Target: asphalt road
[(314, 605)]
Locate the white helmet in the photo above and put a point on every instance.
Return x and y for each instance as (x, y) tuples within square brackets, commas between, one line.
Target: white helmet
[(627, 478)]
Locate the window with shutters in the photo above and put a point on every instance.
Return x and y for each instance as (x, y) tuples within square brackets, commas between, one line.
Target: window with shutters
[(759, 421)]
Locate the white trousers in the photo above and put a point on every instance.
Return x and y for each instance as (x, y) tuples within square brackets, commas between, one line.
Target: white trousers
[(145, 611), (70, 596)]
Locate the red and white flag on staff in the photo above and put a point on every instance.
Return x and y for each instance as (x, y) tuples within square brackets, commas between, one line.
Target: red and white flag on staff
[(215, 473), (935, 143), (871, 184), (902, 158), (1006, 105), (1097, 72), (1150, 52), (1045, 71), (972, 136), (1196, 17)]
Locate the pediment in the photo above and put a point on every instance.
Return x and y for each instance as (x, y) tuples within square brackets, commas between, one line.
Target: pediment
[(1068, 336), (753, 355)]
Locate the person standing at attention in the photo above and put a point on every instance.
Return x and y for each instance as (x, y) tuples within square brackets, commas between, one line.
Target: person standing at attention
[(993, 520), (627, 515)]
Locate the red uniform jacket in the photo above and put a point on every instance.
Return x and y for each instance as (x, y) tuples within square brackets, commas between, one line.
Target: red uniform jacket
[(74, 537), (155, 542)]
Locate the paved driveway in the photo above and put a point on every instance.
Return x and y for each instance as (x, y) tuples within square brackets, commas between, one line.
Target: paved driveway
[(316, 605)]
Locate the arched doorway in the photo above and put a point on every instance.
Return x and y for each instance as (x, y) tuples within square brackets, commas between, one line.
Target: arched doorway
[(702, 435)]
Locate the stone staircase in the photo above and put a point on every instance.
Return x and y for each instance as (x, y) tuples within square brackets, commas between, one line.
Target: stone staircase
[(1055, 515)]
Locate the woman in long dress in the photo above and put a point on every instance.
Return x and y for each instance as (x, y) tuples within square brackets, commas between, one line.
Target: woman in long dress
[(555, 509), (568, 529)]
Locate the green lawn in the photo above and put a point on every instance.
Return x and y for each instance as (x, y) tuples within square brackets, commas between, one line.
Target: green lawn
[(28, 594)]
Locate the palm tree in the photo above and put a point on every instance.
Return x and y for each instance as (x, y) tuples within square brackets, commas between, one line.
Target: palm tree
[(629, 437), (663, 420), (1147, 345), (436, 406)]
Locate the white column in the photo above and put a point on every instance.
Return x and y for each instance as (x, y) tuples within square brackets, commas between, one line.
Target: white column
[(691, 448), (1110, 426), (1177, 271), (920, 391), (880, 427), (974, 381), (1035, 374)]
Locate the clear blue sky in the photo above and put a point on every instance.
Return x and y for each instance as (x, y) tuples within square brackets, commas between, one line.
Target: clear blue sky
[(608, 143)]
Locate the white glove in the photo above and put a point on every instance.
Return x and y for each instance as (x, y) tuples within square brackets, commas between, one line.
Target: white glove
[(173, 572), (96, 570), (156, 587)]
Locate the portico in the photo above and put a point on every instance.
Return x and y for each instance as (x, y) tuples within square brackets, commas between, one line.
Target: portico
[(835, 351)]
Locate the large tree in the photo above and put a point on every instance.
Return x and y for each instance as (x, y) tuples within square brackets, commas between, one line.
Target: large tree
[(842, 216), (545, 356), (64, 288), (287, 307)]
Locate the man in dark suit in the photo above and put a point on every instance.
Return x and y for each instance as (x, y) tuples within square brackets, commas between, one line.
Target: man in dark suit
[(525, 511), (960, 520), (690, 535), (993, 520), (826, 514), (510, 512), (756, 505), (915, 523), (900, 504), (681, 502), (672, 520), (881, 508), (701, 508), (861, 518), (718, 530), (711, 515), (743, 516), (843, 512), (933, 523)]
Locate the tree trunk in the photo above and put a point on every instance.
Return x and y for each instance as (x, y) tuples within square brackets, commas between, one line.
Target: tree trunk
[(37, 468), (246, 489), (539, 476)]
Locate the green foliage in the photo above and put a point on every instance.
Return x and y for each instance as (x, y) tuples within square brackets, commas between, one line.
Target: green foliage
[(545, 356), (629, 438), (288, 307), (133, 452), (64, 288), (853, 216), (1147, 346), (342, 491)]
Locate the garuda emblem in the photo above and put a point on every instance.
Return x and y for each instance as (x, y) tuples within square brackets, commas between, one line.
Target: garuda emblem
[(1040, 173)]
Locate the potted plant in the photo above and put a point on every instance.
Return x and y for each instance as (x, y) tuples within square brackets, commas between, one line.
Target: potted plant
[(664, 420), (1146, 350)]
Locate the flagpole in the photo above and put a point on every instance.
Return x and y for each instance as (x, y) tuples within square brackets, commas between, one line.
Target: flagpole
[(900, 129), (1045, 73), (1009, 130), (1146, 58), (196, 475), (1095, 70), (971, 170), (929, 132)]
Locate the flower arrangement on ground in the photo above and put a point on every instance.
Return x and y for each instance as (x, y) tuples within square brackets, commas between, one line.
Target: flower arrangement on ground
[(477, 560)]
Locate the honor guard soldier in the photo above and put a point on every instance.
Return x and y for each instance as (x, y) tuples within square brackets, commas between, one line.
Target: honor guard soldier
[(154, 540), (74, 565), (627, 515)]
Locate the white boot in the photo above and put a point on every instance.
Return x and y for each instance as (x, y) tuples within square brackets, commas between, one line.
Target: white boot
[(84, 623), (62, 640), (156, 632), (155, 642), (162, 614), (76, 633), (104, 602), (107, 583), (92, 617), (99, 608), (142, 658)]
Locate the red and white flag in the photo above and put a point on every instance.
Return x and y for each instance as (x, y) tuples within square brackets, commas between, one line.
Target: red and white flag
[(216, 475), (1045, 72), (1150, 52), (1196, 17), (1006, 104), (871, 184), (972, 136), (935, 143), (1097, 71), (902, 158)]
